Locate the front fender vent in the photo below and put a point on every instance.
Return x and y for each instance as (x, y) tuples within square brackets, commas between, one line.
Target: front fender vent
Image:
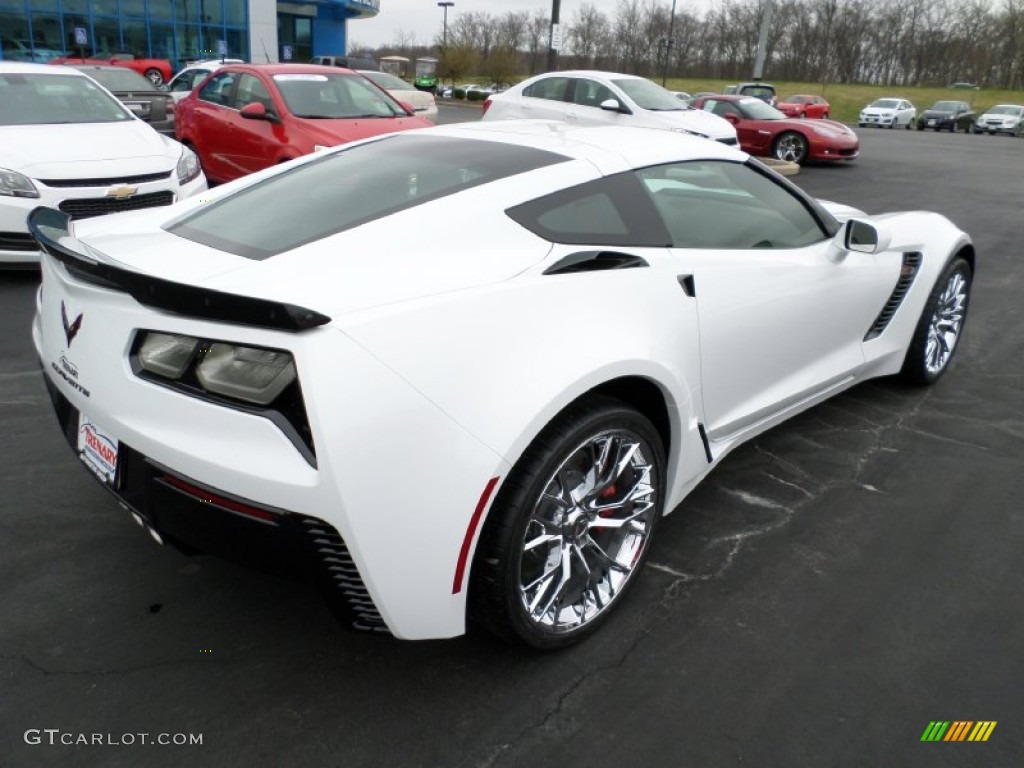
[(908, 271), (340, 579)]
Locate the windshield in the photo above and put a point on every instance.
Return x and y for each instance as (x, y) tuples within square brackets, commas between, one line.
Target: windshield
[(1006, 109), (118, 79), (756, 109), (945, 106), (884, 104), (334, 97), (37, 99), (389, 81), (648, 95)]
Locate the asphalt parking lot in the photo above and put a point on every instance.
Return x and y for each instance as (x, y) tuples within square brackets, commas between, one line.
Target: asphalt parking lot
[(828, 591)]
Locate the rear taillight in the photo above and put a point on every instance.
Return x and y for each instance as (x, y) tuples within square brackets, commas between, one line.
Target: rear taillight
[(170, 106), (487, 105)]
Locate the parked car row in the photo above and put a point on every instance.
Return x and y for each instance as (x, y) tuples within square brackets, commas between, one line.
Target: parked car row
[(946, 114), (604, 98), (92, 139)]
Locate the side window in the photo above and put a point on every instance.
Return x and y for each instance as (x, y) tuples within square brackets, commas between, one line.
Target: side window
[(721, 108), (718, 204), (218, 88), (550, 88), (250, 91), (609, 211), (589, 93), (196, 78)]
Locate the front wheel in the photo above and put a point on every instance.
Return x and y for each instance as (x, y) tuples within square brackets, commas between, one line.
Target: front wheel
[(790, 147), (940, 326), (571, 526), (155, 76)]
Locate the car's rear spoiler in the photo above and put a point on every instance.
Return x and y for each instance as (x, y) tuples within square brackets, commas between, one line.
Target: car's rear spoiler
[(50, 228)]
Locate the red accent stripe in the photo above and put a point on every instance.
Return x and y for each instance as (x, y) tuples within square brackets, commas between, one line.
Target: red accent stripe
[(460, 567), (220, 501)]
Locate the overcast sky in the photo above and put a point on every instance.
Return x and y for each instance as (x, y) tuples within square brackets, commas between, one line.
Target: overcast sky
[(423, 18)]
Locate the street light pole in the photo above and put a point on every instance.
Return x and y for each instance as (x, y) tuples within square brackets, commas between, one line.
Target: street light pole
[(668, 43), (552, 51), (446, 4)]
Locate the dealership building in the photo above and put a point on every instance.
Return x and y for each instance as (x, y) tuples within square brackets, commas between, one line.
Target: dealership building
[(178, 30)]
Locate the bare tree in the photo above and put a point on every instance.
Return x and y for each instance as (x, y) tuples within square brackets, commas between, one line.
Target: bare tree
[(537, 31)]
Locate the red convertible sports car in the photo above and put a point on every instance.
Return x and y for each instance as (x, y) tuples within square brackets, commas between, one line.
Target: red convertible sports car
[(157, 70), (246, 117), (765, 131), (804, 105)]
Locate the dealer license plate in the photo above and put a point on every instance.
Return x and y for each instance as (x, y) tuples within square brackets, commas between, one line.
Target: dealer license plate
[(98, 449), (931, 122)]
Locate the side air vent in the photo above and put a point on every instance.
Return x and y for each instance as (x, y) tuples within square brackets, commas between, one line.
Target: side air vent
[(911, 263), (594, 261), (343, 584)]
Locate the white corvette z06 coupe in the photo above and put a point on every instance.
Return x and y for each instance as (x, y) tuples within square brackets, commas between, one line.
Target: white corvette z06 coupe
[(307, 370)]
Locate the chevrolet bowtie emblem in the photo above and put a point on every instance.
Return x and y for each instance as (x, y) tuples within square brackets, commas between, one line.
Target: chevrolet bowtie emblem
[(121, 192)]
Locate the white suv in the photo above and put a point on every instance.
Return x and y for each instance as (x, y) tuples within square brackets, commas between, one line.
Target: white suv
[(605, 98)]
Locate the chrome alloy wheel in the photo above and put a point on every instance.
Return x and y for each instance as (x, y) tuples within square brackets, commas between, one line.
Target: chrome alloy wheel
[(946, 322), (588, 530), (791, 147)]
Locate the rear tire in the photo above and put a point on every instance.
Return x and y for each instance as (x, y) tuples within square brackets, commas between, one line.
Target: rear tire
[(571, 526), (940, 326)]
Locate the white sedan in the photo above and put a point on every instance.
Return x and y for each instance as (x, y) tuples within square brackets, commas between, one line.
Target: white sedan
[(590, 97), (1002, 118), (422, 102), (183, 83), (486, 427), (888, 113), (67, 143)]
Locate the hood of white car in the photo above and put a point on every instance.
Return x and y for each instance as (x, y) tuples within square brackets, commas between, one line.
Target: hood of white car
[(86, 150), (877, 111), (696, 120)]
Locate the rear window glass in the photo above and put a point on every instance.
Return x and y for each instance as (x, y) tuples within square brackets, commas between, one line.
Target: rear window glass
[(352, 187)]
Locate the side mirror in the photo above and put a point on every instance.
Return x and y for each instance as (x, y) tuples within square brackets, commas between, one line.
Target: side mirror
[(256, 111), (863, 237), (732, 117), (613, 105)]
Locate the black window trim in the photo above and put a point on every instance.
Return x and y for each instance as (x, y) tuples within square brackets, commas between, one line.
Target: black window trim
[(643, 222)]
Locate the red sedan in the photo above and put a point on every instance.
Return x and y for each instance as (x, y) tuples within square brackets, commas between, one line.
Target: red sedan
[(157, 70), (805, 105), (246, 117), (765, 131)]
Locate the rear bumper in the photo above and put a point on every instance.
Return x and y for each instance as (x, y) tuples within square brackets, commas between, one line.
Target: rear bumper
[(197, 518)]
